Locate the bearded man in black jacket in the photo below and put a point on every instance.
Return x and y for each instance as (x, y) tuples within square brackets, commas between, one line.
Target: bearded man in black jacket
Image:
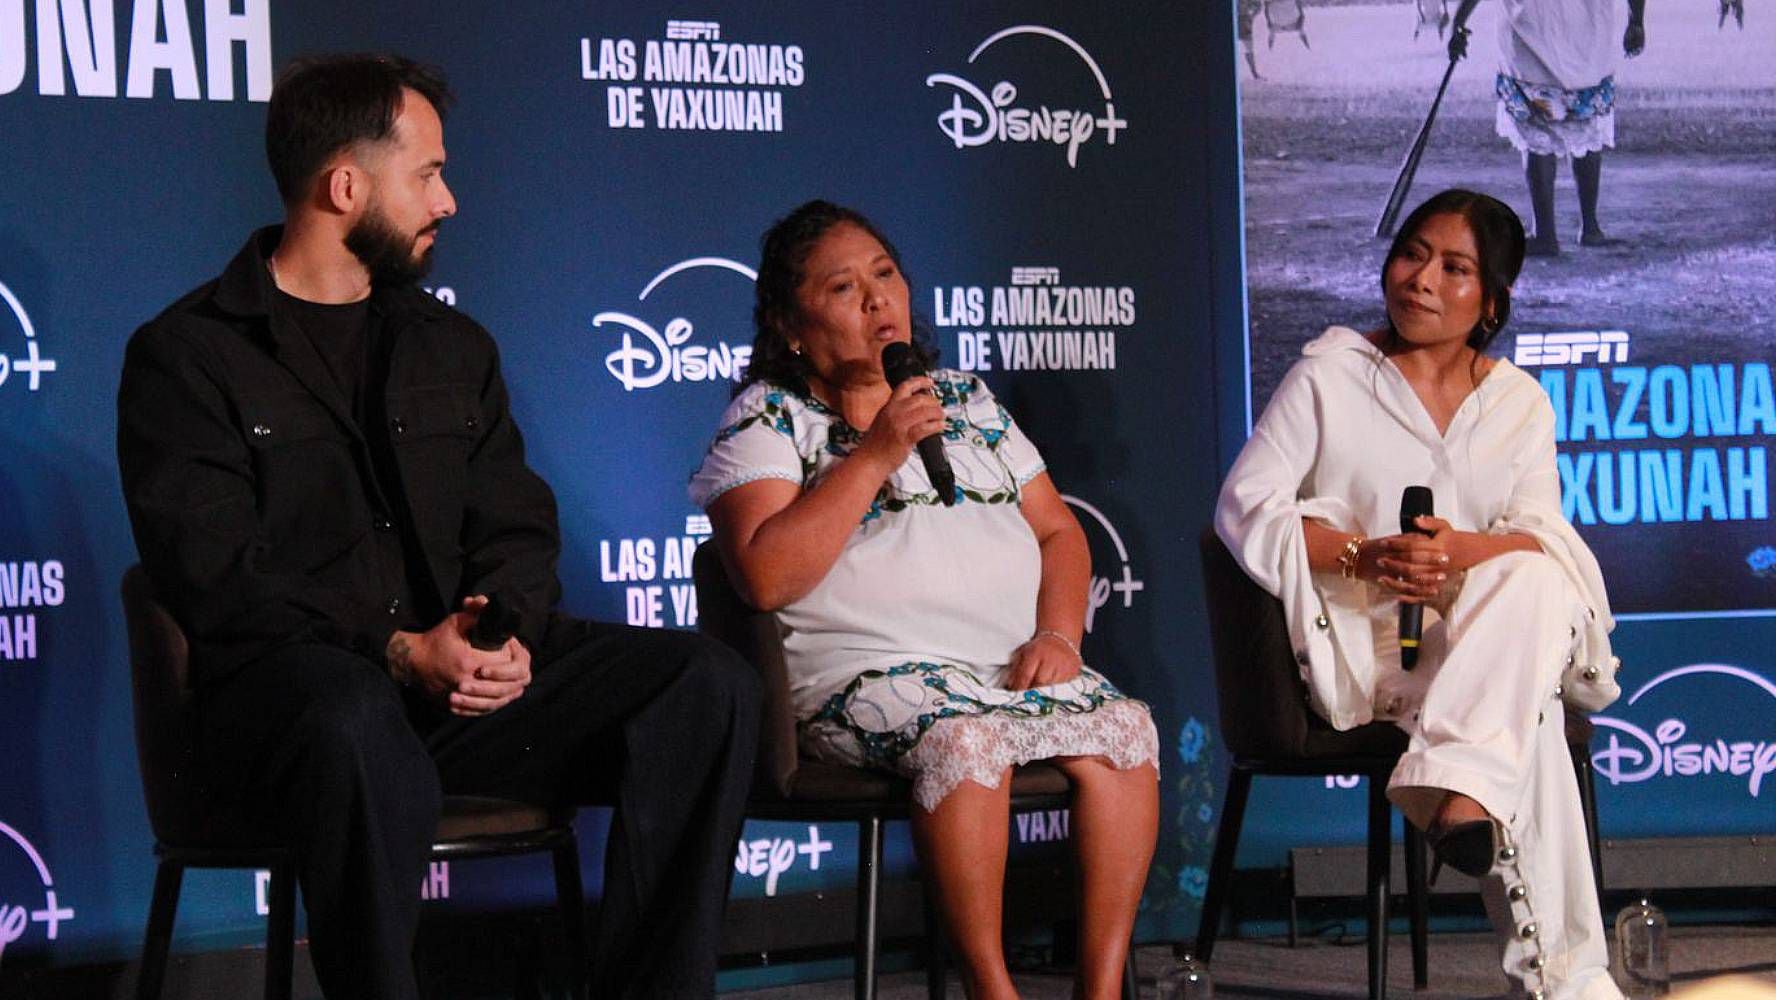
[(326, 486)]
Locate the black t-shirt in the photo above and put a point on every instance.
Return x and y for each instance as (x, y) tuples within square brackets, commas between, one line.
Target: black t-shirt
[(353, 346), (341, 335)]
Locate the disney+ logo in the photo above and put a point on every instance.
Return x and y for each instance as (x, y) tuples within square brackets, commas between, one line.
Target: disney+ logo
[(649, 356), (33, 365), (1634, 755), (976, 117), (1125, 585), (17, 918)]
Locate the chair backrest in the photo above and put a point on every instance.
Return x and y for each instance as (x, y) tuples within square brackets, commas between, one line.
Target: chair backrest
[(1257, 682), (754, 634), (160, 661)]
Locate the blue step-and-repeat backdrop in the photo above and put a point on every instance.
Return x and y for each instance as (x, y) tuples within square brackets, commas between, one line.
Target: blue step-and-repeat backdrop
[(1040, 165), (1064, 184)]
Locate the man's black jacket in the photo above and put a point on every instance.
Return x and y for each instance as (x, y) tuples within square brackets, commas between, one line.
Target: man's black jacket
[(250, 486)]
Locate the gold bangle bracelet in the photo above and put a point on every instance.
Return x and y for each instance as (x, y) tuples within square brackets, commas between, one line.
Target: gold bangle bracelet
[(1347, 559)]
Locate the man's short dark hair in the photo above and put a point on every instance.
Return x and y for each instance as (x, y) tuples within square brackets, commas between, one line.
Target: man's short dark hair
[(322, 104)]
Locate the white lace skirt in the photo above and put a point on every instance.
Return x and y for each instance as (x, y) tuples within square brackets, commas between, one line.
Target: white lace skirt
[(940, 725)]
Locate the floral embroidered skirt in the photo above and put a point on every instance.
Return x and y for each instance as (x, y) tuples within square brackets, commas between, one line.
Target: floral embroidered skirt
[(1550, 121), (941, 725)]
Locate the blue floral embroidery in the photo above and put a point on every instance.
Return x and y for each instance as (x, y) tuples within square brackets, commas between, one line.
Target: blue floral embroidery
[(1540, 104), (1191, 740), (771, 413), (1762, 561), (1193, 881), (955, 392), (884, 749), (992, 436)]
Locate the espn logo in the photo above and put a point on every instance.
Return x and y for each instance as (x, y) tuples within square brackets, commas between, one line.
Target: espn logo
[(1035, 275), (1606, 346), (691, 31)]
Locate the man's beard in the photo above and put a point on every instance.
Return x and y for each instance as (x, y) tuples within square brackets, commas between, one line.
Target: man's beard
[(385, 253)]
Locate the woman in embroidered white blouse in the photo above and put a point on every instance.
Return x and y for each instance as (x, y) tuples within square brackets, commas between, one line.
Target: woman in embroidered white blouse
[(937, 637), (1518, 616)]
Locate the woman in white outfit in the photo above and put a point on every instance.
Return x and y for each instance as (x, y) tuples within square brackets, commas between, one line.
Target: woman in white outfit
[(1516, 614)]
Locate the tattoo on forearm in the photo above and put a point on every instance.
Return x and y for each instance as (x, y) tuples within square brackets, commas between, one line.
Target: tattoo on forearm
[(400, 659)]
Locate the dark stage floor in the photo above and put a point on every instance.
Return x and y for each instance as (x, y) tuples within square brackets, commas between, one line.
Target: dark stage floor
[(1462, 966)]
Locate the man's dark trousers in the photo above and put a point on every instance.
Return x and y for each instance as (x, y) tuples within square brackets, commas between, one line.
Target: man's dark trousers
[(662, 724)]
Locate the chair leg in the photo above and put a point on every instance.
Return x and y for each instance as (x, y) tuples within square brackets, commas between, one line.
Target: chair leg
[(1233, 812), (1381, 842), (280, 931), (1419, 898), (1130, 988), (168, 876), (935, 944), (525, 939), (570, 899), (869, 882)]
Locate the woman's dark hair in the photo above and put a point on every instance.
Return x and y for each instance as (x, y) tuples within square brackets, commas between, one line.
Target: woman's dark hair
[(322, 104), (1498, 236), (776, 312)]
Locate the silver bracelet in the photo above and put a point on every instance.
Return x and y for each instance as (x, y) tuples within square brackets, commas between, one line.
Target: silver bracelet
[(1064, 641)]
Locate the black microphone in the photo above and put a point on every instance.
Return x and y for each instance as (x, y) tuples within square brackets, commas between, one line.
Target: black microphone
[(496, 623), (899, 363), (1415, 502)]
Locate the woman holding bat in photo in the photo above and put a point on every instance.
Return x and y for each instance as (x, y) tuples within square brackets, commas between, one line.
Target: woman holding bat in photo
[(1556, 91)]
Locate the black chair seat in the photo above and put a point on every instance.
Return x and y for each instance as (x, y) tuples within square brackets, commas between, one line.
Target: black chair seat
[(476, 817), (1039, 779), (814, 781), (470, 825), (465, 818), (1377, 739)]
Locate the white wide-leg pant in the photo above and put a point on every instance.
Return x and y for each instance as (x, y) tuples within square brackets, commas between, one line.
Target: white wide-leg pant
[(1484, 715)]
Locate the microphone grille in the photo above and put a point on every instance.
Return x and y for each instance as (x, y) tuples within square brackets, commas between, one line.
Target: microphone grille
[(1415, 500), (899, 363)]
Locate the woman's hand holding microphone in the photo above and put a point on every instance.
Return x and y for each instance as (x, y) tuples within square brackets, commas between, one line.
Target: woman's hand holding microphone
[(911, 415), (1416, 567)]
